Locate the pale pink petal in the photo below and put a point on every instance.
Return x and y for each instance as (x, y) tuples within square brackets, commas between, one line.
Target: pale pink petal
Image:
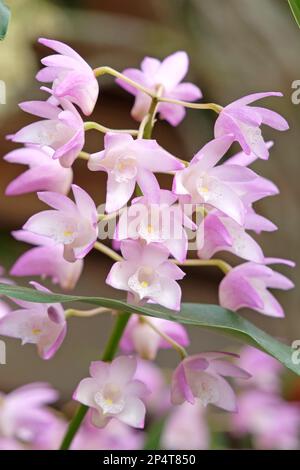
[(138, 388), (122, 369), (99, 370), (172, 113), (150, 66), (95, 161), (222, 197), (253, 97), (180, 390), (233, 173), (148, 184), (52, 224), (59, 202), (43, 109), (134, 74), (227, 369), (172, 70), (61, 48), (154, 158), (170, 270), (118, 194), (153, 255), (61, 61), (141, 106), (41, 178), (131, 250), (178, 247), (227, 399), (212, 152), (84, 203), (119, 275), (236, 292), (272, 119), (85, 392), (186, 92), (133, 413), (170, 296)]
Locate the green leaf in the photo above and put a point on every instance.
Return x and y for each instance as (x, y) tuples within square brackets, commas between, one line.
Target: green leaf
[(295, 7), (4, 19), (211, 317)]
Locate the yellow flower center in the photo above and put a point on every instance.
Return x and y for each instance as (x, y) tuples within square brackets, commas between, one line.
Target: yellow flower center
[(36, 331), (150, 229), (68, 233)]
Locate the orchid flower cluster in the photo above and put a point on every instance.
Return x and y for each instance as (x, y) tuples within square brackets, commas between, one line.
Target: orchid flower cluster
[(148, 255), (266, 419)]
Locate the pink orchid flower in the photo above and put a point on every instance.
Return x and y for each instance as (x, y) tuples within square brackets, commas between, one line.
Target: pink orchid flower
[(211, 185), (272, 422), (40, 324), (11, 444), (147, 275), (61, 129), (200, 379), (186, 429), (52, 434), (73, 79), (167, 76), (246, 286), (221, 233), (158, 400), (112, 392), (24, 413), (115, 436), (44, 173), (71, 225), (265, 369), (253, 191), (162, 222), (243, 123), (46, 259), (140, 337), (127, 162)]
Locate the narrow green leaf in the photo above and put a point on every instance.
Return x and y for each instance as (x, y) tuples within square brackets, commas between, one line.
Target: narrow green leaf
[(295, 7), (4, 19), (211, 317)]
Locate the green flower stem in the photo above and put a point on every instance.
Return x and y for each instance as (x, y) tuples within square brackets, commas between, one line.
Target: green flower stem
[(91, 125), (213, 106), (151, 114), (107, 356), (107, 251), (98, 72), (72, 312), (219, 263), (181, 351)]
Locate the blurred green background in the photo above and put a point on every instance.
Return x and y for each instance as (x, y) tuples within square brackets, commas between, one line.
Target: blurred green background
[(236, 47)]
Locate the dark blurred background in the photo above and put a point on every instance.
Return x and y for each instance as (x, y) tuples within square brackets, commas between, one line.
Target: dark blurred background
[(236, 47)]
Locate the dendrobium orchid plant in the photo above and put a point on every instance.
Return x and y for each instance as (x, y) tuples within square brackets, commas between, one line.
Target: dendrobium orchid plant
[(210, 202)]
